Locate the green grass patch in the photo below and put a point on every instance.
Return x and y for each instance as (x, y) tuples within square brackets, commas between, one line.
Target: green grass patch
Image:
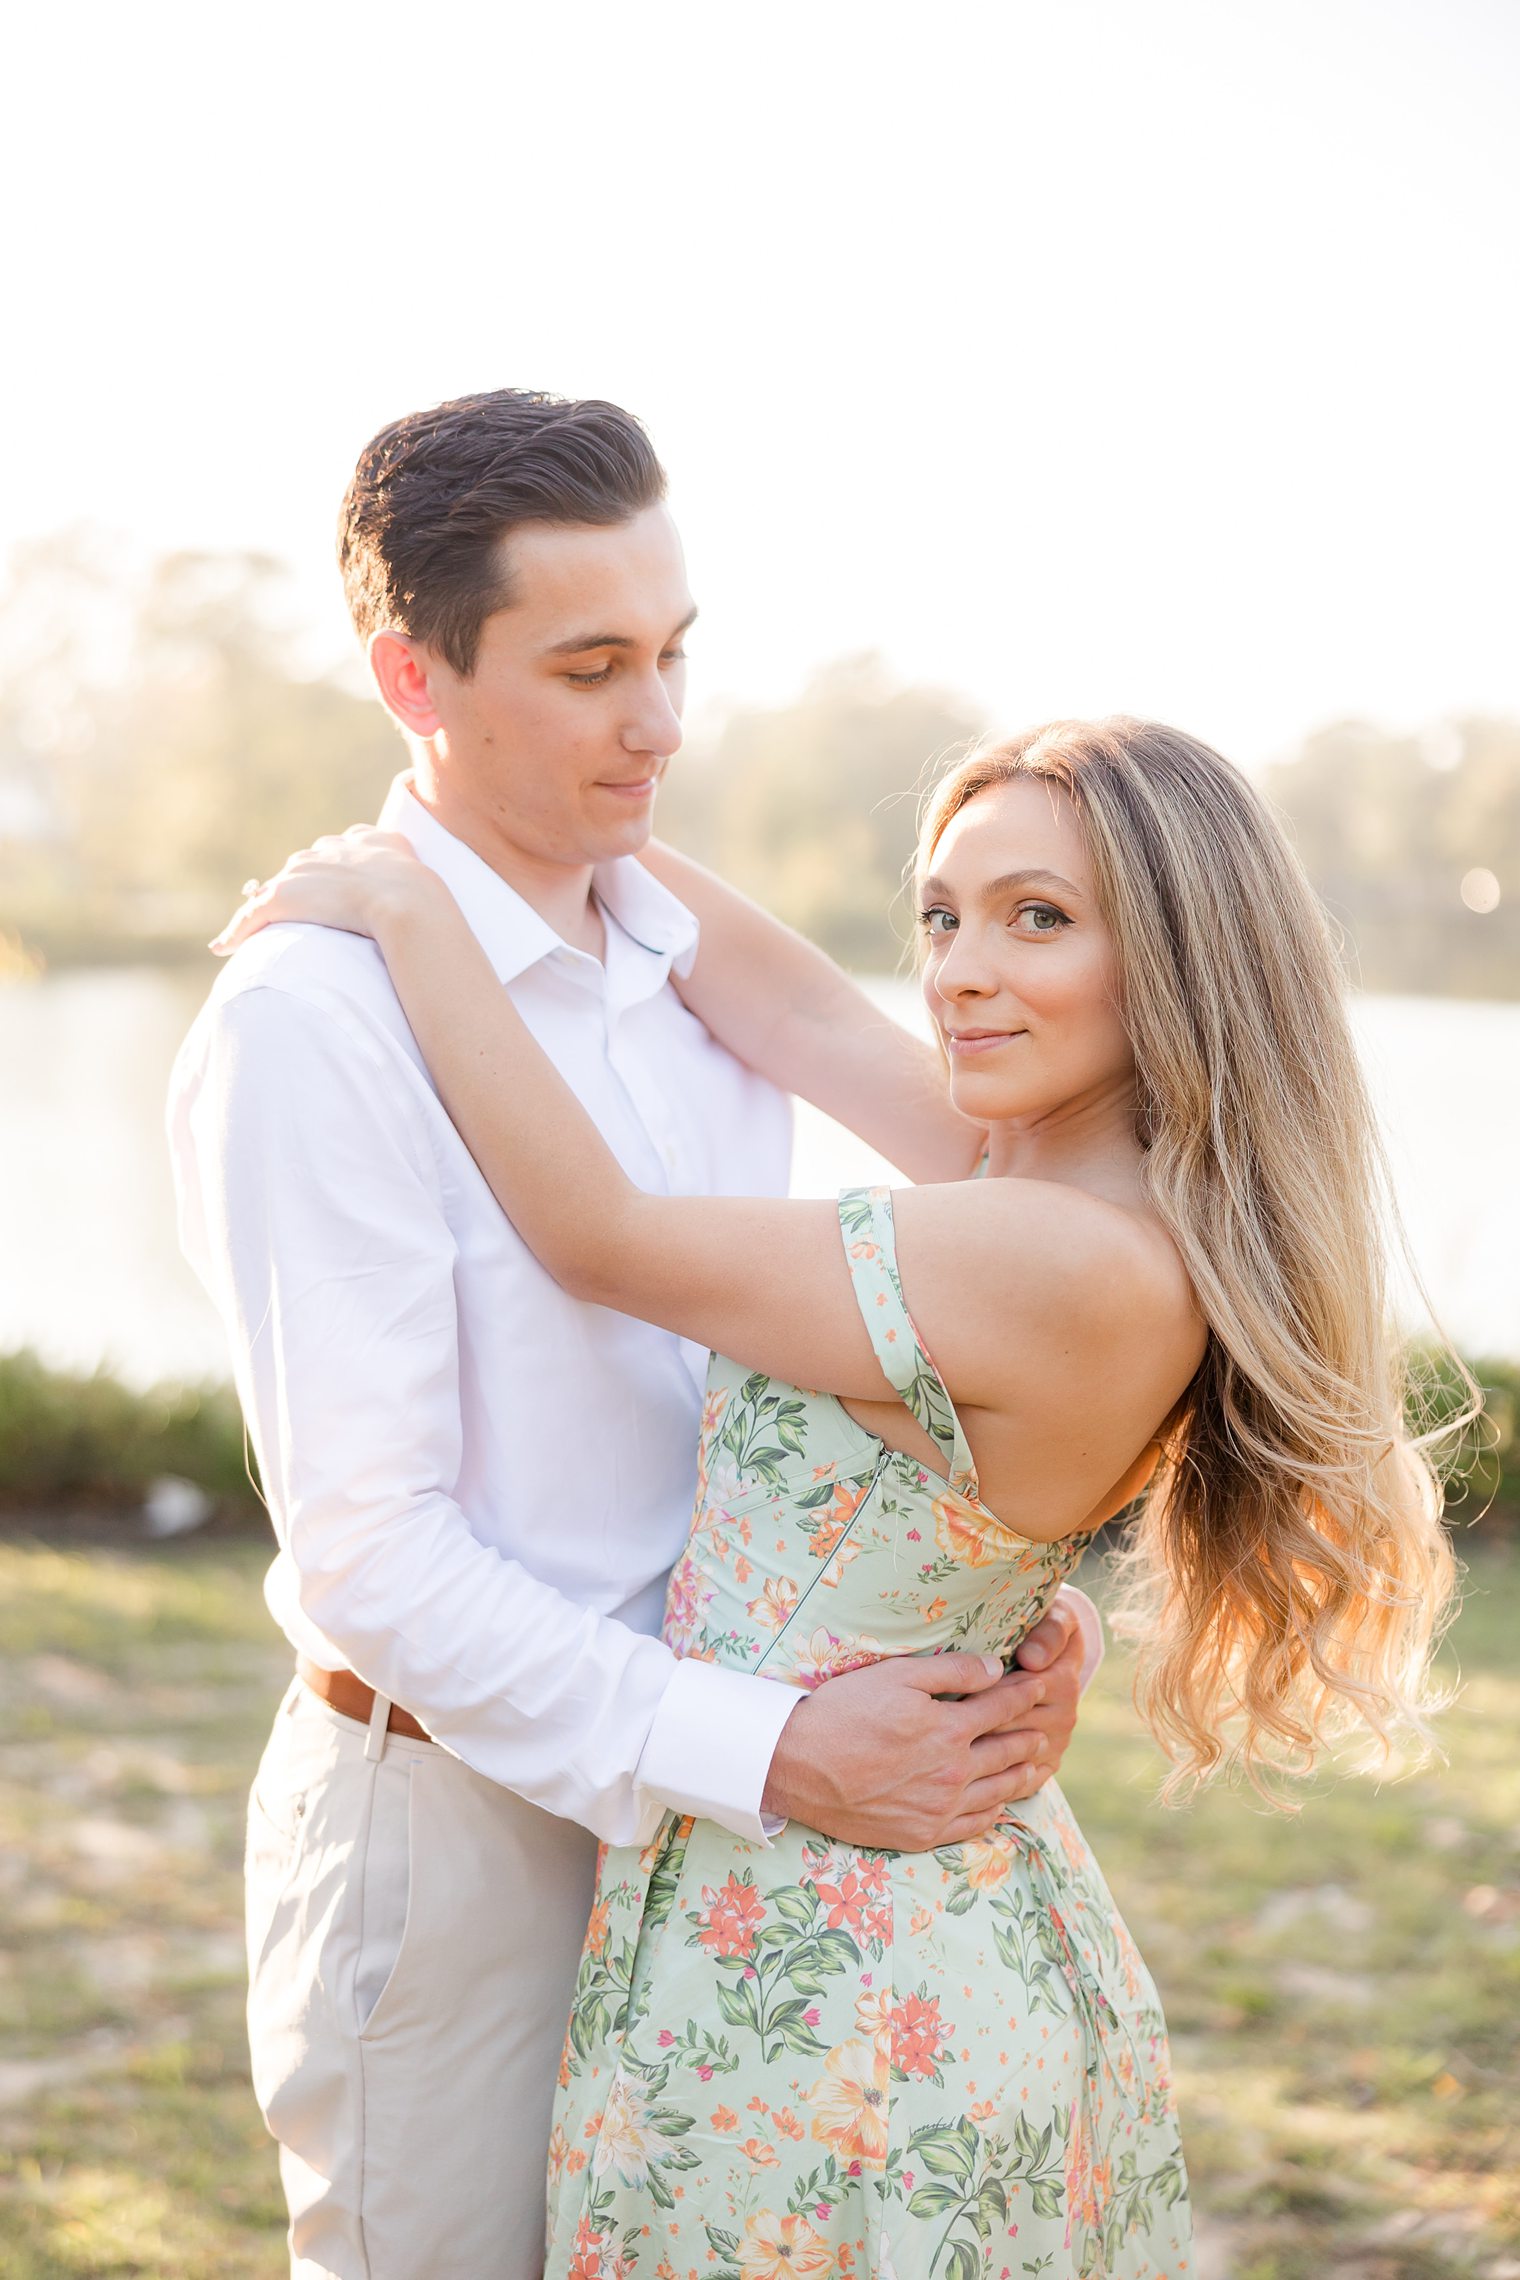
[(1343, 1987)]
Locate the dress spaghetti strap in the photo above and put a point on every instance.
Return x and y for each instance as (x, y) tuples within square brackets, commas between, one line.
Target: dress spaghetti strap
[(870, 1248)]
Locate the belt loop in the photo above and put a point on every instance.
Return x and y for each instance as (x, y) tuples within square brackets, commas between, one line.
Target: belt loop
[(379, 1725)]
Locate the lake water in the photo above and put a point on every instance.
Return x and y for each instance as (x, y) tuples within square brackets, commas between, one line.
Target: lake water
[(90, 1271)]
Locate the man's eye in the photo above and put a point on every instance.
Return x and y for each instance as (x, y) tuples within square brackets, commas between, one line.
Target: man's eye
[(938, 922), (589, 680)]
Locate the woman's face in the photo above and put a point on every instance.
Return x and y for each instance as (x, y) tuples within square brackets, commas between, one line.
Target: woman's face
[(1020, 966)]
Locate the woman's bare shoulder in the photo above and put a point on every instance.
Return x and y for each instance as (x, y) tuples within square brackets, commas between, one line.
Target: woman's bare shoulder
[(1040, 1277)]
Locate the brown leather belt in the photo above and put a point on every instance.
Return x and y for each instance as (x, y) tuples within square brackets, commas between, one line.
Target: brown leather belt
[(351, 1698)]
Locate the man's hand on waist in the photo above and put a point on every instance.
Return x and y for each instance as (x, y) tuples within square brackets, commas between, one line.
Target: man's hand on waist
[(926, 1750)]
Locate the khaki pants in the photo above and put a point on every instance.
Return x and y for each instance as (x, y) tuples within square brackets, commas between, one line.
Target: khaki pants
[(413, 1934)]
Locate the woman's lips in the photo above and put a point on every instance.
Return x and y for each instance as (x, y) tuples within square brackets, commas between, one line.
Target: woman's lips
[(965, 1043), (640, 789)]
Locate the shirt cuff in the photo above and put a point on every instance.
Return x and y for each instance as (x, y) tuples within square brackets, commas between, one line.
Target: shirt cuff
[(1090, 1624), (710, 1746)]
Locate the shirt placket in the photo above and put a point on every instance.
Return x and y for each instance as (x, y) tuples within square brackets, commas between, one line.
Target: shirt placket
[(632, 1054)]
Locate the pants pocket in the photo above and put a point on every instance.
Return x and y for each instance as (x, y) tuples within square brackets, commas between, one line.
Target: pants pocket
[(389, 1900)]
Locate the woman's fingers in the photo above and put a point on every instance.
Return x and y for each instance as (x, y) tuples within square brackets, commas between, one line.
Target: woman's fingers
[(342, 880), (250, 915)]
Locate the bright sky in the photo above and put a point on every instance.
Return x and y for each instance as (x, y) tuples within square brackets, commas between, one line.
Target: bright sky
[(1104, 353)]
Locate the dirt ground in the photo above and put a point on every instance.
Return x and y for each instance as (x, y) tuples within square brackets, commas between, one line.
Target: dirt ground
[(1344, 1988)]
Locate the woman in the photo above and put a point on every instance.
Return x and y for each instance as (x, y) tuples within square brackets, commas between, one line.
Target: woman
[(810, 2058)]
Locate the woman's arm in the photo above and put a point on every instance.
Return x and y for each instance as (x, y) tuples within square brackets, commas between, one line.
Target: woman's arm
[(781, 1004), (992, 1264)]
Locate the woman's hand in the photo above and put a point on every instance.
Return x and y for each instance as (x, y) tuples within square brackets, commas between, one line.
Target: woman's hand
[(359, 881)]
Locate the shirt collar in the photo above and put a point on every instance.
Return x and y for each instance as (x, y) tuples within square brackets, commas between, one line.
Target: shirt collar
[(509, 930)]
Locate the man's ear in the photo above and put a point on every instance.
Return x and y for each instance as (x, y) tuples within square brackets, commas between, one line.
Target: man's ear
[(401, 668)]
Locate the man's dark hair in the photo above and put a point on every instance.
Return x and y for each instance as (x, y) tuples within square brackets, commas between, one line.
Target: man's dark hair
[(434, 495)]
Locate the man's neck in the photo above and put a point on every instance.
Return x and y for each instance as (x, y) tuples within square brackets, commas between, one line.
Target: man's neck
[(559, 892)]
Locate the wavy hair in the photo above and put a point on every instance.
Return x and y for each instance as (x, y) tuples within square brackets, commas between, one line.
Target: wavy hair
[(1289, 1572)]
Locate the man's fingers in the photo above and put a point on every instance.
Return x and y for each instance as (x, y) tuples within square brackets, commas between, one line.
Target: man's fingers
[(1049, 1639), (986, 1801), (949, 1674), (1001, 1707), (997, 1753)]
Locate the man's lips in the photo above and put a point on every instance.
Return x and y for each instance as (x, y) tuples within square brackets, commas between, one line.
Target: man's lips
[(965, 1043)]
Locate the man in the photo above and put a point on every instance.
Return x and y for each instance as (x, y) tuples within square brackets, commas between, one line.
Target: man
[(478, 1484)]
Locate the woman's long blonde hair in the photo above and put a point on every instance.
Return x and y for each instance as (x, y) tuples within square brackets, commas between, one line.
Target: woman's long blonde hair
[(1289, 1573)]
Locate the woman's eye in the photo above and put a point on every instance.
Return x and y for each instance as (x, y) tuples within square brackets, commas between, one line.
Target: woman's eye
[(589, 680), (939, 922), (1044, 918), (674, 657)]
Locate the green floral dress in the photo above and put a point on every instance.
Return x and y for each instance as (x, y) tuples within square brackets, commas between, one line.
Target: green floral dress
[(801, 2060)]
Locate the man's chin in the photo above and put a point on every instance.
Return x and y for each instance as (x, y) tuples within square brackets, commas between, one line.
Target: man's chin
[(626, 834)]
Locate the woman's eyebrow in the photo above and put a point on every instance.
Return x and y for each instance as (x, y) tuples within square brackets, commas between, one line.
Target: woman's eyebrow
[(1011, 882)]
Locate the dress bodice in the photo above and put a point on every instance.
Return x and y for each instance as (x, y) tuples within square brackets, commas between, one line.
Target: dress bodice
[(816, 1547)]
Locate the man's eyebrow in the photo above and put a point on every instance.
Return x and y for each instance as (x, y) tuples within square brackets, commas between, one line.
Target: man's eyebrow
[(580, 642), (1009, 883)]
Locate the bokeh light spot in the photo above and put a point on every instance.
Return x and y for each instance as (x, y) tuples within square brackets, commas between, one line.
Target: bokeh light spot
[(1480, 891)]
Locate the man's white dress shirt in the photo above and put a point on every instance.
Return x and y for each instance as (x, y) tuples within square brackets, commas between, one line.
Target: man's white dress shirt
[(477, 1483)]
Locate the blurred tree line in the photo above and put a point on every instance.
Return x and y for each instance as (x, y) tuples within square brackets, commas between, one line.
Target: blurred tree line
[(160, 741)]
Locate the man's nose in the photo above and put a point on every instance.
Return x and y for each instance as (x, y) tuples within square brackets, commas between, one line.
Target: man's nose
[(654, 725)]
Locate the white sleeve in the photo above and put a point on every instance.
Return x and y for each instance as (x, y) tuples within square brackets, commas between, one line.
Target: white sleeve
[(312, 1205), (1090, 1624)]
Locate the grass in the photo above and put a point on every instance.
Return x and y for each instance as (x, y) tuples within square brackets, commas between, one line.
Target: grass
[(72, 1441), (1343, 1988)]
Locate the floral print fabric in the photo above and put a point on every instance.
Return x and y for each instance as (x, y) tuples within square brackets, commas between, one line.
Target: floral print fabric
[(802, 2060)]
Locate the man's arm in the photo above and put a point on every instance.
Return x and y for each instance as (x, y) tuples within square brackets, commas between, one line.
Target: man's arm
[(313, 1210)]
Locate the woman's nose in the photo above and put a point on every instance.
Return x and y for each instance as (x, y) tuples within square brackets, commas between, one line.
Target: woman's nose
[(962, 969)]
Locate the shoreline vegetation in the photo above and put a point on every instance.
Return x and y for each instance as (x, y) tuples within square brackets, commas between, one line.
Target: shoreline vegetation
[(82, 1452), (190, 672)]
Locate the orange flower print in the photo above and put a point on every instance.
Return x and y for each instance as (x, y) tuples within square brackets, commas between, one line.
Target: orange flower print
[(759, 2155), (773, 1610), (596, 1929), (1087, 2179), (783, 2248), (586, 2254), (975, 1538), (919, 2037), (853, 1905), (823, 1656), (832, 1522), (849, 2104), (688, 1596), (627, 2142), (873, 2018), (986, 1862), (724, 2118), (730, 1917)]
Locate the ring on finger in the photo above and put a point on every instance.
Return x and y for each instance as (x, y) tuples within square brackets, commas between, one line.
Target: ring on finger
[(250, 887)]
